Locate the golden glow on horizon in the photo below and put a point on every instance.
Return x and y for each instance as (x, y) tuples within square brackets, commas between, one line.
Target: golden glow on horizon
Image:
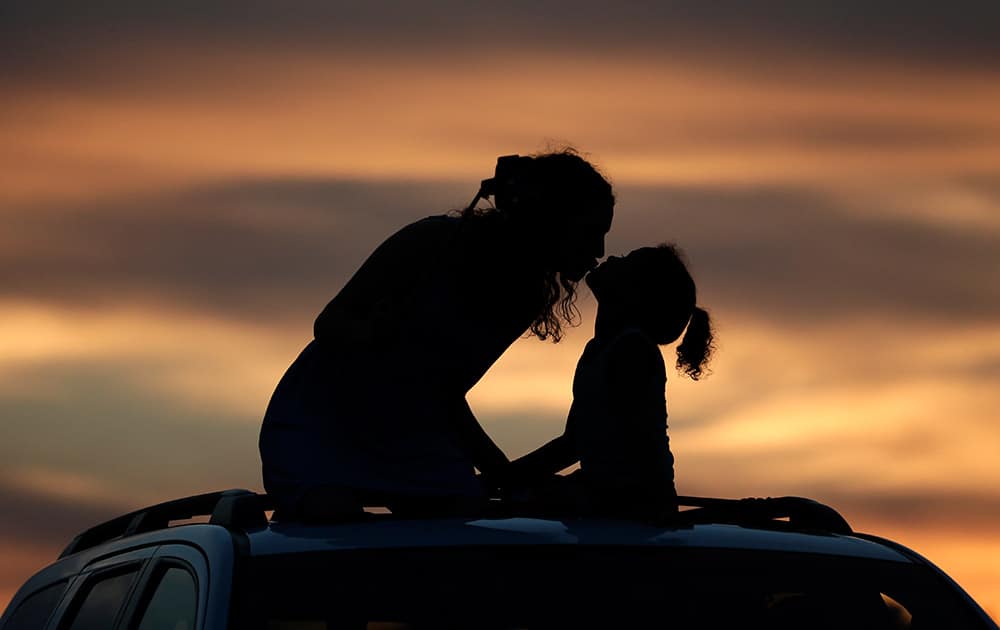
[(879, 438), (70, 486), (967, 208), (190, 351)]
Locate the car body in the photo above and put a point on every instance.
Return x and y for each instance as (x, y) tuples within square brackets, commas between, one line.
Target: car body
[(760, 563)]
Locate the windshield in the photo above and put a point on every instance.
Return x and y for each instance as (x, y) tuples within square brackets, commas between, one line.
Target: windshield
[(609, 587)]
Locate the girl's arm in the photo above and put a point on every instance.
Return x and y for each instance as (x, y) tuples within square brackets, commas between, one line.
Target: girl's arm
[(546, 460), (485, 454)]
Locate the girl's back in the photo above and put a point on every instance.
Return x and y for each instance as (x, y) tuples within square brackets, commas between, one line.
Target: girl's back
[(619, 418)]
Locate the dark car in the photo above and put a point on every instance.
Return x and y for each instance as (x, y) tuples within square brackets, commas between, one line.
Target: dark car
[(750, 563)]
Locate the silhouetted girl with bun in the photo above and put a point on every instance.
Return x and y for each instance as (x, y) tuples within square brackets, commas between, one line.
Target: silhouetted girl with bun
[(617, 425), (374, 408)]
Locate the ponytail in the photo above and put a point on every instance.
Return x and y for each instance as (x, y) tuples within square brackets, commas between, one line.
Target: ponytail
[(696, 348)]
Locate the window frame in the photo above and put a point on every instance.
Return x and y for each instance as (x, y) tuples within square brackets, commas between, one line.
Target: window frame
[(166, 557), (94, 572)]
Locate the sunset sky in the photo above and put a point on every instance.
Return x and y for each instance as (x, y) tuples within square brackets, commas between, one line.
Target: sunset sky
[(184, 187)]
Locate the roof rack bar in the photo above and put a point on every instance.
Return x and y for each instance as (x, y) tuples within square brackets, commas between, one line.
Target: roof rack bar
[(235, 508), (801, 513), (241, 509), (245, 510)]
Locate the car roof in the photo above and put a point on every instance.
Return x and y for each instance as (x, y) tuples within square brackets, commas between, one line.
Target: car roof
[(284, 538), (790, 524)]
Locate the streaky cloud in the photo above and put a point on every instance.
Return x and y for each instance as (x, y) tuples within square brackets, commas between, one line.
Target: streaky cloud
[(796, 254), (959, 33), (45, 520), (272, 250)]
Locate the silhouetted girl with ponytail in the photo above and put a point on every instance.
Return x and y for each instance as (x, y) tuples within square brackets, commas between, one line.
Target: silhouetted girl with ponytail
[(617, 425)]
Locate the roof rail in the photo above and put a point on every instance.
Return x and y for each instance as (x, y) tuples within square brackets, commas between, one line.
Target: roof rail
[(245, 510), (801, 513), (235, 508)]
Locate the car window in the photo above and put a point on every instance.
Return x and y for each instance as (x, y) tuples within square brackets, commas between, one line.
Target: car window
[(101, 599), (35, 611), (899, 616), (173, 604)]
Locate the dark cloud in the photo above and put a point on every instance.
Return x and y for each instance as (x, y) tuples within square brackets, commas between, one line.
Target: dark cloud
[(49, 521), (961, 33), (251, 250), (797, 255), (101, 418), (272, 250)]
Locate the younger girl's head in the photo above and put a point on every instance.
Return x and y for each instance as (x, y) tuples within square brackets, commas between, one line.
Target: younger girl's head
[(652, 289)]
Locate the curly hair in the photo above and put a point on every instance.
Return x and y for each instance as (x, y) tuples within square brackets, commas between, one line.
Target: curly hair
[(698, 345), (554, 188), (671, 291), (559, 305)]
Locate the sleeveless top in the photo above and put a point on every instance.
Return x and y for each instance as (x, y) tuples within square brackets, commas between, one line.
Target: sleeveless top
[(377, 416)]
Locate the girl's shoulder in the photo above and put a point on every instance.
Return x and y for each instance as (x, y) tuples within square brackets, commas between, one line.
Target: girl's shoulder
[(420, 243), (468, 235)]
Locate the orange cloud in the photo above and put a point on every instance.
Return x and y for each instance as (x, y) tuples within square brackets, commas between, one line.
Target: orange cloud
[(650, 120), (192, 351)]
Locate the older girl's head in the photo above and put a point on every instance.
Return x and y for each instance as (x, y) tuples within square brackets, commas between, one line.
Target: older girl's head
[(565, 207), (651, 288), (558, 209), (558, 206)]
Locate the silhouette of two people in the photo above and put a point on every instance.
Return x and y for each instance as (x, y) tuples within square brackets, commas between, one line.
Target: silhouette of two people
[(373, 410), (617, 425)]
